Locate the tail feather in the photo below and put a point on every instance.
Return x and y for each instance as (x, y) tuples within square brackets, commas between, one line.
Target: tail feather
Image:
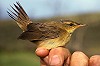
[(20, 16), (13, 17), (22, 11)]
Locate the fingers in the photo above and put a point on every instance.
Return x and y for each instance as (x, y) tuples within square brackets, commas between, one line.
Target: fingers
[(79, 59), (44, 61), (57, 56), (94, 60), (61, 57), (42, 52)]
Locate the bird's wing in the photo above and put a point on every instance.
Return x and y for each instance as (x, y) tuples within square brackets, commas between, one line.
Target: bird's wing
[(41, 31), (20, 16)]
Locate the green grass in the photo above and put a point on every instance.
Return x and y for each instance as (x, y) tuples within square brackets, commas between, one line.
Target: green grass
[(19, 59)]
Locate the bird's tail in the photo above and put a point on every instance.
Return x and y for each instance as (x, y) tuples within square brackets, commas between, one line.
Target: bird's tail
[(20, 16)]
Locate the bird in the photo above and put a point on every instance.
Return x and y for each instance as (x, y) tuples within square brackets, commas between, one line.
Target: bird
[(48, 35)]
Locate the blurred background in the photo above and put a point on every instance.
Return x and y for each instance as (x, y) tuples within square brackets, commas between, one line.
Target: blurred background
[(15, 52)]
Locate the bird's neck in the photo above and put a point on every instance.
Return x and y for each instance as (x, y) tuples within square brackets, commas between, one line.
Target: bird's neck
[(70, 30)]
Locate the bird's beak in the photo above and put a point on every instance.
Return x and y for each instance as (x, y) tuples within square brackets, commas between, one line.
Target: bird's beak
[(81, 25)]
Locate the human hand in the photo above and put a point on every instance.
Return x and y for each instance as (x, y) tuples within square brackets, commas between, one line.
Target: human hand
[(61, 57)]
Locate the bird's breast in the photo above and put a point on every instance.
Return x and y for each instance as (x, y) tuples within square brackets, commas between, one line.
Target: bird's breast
[(53, 43)]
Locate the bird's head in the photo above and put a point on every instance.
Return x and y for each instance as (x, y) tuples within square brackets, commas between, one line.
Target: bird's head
[(70, 26)]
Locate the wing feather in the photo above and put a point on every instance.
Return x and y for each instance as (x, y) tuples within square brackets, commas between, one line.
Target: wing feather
[(41, 31)]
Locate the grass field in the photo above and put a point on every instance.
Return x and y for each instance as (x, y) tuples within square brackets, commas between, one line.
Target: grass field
[(19, 59)]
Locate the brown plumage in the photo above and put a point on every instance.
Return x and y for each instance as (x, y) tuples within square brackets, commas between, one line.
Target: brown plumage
[(47, 34)]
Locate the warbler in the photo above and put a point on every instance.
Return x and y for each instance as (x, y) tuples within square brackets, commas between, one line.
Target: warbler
[(46, 34)]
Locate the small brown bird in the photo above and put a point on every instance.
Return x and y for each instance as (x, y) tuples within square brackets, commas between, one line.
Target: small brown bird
[(47, 34)]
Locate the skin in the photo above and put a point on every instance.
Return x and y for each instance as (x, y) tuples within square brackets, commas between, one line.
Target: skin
[(61, 57)]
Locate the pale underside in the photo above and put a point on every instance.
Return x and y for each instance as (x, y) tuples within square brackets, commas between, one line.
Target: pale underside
[(57, 42)]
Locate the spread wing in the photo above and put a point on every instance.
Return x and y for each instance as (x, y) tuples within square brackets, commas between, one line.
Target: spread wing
[(20, 16), (41, 31)]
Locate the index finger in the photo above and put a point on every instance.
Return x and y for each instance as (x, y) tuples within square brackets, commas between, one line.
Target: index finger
[(42, 52)]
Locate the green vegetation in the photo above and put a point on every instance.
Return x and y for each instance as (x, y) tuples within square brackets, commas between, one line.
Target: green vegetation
[(19, 59)]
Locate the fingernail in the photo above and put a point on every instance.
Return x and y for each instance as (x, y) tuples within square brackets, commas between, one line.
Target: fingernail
[(55, 60), (38, 49)]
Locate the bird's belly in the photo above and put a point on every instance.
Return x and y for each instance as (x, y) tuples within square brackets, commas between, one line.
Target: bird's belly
[(53, 43)]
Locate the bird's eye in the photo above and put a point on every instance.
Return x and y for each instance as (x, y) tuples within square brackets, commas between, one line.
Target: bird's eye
[(71, 24)]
